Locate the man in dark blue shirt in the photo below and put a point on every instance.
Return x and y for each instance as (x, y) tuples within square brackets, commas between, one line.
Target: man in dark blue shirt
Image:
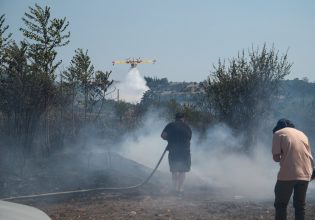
[(178, 135)]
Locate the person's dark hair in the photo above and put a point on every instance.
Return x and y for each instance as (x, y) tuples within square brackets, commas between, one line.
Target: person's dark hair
[(179, 115), (283, 123)]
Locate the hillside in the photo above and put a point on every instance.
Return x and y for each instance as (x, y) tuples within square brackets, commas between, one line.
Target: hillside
[(289, 89)]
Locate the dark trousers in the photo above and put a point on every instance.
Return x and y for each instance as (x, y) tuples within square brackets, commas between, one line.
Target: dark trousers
[(283, 192)]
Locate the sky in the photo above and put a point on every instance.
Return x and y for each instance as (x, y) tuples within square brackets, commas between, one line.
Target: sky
[(185, 37)]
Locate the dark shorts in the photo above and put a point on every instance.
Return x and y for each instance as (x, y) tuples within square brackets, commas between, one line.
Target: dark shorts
[(179, 160)]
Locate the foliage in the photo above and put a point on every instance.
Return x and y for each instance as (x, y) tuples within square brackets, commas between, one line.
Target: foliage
[(102, 82), (81, 78), (44, 36), (155, 82), (28, 73), (296, 102), (4, 40), (243, 91), (15, 80), (149, 99), (20, 94), (121, 109)]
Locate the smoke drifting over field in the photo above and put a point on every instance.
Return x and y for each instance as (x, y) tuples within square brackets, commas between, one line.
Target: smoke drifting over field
[(224, 165), (131, 89), (216, 160), (146, 146)]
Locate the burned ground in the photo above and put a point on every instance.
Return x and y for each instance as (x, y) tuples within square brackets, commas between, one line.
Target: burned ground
[(151, 201), (144, 203)]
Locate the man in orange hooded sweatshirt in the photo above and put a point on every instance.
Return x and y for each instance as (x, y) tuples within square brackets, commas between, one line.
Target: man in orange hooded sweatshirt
[(291, 148)]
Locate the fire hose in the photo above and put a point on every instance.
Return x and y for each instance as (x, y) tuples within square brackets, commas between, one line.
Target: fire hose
[(94, 189)]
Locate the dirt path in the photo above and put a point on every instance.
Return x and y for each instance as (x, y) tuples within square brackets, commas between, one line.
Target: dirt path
[(196, 204)]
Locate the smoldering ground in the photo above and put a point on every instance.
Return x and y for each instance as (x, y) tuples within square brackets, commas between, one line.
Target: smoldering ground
[(87, 161), (92, 161), (218, 163)]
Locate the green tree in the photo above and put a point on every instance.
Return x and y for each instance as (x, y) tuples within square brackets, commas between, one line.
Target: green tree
[(242, 92), (100, 87), (17, 95), (154, 83), (70, 86), (171, 108), (81, 72), (81, 78), (121, 109), (4, 40), (150, 99), (44, 35), (28, 72)]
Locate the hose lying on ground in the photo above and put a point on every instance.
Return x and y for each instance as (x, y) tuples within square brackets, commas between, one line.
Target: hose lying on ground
[(90, 190)]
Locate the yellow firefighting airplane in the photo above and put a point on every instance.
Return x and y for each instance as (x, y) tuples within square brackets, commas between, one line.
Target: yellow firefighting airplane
[(134, 62)]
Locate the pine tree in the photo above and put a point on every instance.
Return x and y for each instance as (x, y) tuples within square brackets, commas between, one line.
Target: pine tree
[(44, 35)]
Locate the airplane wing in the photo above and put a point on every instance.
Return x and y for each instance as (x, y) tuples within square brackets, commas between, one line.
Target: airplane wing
[(148, 61), (134, 61), (119, 62)]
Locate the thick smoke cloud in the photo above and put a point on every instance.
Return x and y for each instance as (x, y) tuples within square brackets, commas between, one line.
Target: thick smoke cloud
[(217, 160), (145, 146), (221, 163), (131, 89)]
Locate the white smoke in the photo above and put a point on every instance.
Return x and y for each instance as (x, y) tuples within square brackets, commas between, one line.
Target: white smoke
[(220, 162), (145, 146), (131, 89), (217, 161)]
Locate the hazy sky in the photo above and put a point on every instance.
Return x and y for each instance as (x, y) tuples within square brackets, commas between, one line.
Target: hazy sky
[(185, 37)]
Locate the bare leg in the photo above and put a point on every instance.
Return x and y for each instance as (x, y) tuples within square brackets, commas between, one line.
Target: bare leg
[(181, 179), (175, 180)]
